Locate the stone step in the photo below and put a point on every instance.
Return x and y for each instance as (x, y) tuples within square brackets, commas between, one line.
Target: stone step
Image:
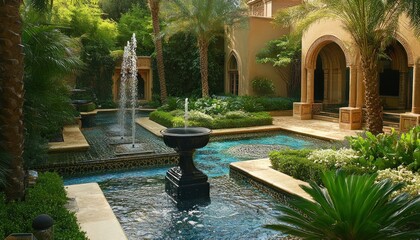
[(325, 118), (329, 114)]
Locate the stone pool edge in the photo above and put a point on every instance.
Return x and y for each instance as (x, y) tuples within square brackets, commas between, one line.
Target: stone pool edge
[(263, 177), (93, 212)]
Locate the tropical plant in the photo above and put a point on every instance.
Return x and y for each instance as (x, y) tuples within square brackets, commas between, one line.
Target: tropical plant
[(388, 150), (154, 9), (371, 24), (50, 58), (137, 20), (12, 96), (281, 53), (203, 19), (351, 207)]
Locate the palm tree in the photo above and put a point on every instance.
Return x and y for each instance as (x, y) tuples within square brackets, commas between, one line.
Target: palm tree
[(11, 96), (154, 9), (351, 207), (205, 20), (372, 25)]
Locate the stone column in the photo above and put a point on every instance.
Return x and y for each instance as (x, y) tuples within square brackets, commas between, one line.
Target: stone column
[(416, 89), (353, 86), (303, 84), (310, 74)]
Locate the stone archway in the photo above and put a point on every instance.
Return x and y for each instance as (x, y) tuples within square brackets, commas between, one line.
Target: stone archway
[(394, 85), (144, 73), (331, 83)]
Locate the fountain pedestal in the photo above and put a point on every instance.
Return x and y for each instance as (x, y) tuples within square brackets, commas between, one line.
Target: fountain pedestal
[(185, 182)]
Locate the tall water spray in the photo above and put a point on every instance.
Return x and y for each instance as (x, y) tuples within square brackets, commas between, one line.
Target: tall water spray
[(128, 80), (186, 116), (133, 85), (123, 91)]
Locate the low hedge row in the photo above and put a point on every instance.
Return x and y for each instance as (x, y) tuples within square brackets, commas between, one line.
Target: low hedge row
[(254, 119), (296, 164), (46, 197)]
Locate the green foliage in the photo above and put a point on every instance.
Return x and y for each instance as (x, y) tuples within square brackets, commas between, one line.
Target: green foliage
[(137, 20), (296, 164), (161, 117), (388, 150), (115, 8), (98, 36), (351, 207), (263, 86), (402, 175), (46, 197), (199, 119), (50, 57), (308, 165), (279, 52), (88, 107), (183, 67)]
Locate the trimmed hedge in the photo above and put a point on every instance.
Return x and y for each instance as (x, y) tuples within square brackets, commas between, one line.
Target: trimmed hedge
[(46, 197), (88, 107), (253, 119), (296, 164)]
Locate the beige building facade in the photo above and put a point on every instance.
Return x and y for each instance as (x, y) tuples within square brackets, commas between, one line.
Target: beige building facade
[(330, 71)]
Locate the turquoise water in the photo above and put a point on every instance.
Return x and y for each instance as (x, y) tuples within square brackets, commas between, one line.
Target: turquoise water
[(236, 211)]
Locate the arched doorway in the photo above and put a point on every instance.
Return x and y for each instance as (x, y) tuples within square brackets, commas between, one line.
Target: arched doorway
[(331, 77), (233, 75), (394, 85)]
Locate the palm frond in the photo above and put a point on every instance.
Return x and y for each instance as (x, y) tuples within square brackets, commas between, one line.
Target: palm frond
[(351, 207)]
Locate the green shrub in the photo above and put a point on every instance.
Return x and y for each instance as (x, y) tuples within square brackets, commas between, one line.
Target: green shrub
[(308, 165), (199, 119), (46, 197), (236, 114), (254, 119), (388, 150), (161, 117), (88, 107), (272, 104), (263, 86), (296, 164), (402, 175)]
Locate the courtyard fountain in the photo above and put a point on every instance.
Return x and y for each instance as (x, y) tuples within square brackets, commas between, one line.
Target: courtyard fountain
[(185, 182), (128, 99)]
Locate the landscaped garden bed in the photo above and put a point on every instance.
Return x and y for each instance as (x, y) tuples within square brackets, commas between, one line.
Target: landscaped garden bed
[(217, 113), (46, 197), (395, 156)]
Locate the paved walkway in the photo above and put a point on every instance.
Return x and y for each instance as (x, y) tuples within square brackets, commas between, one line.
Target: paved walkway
[(314, 128), (73, 141)]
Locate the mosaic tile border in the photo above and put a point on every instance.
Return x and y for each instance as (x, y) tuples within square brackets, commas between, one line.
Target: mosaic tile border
[(122, 163), (278, 194)]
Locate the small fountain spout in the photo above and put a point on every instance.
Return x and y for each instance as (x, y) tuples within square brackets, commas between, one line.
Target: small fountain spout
[(186, 113)]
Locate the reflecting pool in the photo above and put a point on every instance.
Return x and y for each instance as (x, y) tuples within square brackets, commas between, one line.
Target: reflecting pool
[(236, 211)]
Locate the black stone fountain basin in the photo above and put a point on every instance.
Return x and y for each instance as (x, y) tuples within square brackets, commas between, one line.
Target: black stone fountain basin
[(186, 138), (185, 182)]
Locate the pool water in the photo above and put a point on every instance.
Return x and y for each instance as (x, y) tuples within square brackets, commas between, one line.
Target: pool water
[(236, 211)]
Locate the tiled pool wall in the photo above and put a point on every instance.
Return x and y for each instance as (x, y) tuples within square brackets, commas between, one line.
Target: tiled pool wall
[(281, 196), (121, 163)]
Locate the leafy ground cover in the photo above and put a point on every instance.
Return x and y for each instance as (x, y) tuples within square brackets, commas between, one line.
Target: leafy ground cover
[(220, 112), (46, 197)]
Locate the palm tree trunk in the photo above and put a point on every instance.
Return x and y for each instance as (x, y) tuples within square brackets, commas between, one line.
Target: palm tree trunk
[(11, 96), (203, 46), (154, 9), (373, 104)]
